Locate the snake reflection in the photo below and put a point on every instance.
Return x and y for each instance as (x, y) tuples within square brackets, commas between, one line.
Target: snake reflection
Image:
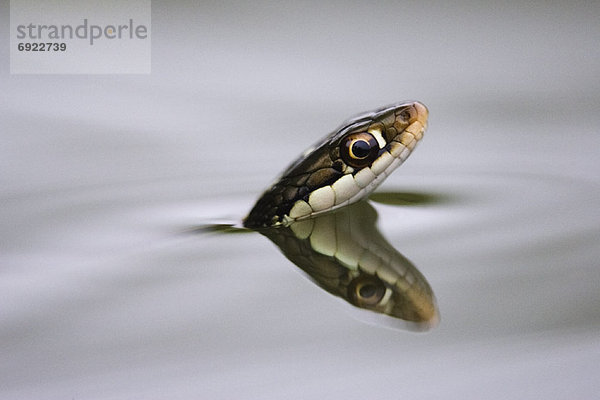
[(344, 253)]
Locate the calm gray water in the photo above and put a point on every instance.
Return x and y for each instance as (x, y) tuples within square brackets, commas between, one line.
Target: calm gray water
[(107, 295)]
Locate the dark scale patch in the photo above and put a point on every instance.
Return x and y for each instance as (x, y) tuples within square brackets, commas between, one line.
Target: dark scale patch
[(303, 193), (338, 165), (268, 209), (280, 198), (290, 193), (322, 177), (316, 170), (299, 180), (283, 209), (334, 153), (405, 115), (384, 150)]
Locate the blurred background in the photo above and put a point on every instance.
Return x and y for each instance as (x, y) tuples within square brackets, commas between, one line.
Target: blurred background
[(106, 296)]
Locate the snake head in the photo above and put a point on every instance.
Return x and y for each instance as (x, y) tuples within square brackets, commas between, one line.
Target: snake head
[(344, 167)]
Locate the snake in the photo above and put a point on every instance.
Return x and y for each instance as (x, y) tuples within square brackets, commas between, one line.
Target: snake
[(345, 254), (344, 167)]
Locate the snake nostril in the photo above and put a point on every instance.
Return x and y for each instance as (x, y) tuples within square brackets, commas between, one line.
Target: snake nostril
[(405, 115), (422, 111)]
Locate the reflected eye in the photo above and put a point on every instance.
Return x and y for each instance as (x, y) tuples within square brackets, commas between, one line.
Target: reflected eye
[(359, 149), (366, 291)]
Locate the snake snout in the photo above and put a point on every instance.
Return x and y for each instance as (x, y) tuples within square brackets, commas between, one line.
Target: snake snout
[(413, 112), (422, 113)]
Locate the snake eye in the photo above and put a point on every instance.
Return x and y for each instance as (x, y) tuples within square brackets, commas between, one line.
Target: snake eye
[(366, 291), (359, 149)]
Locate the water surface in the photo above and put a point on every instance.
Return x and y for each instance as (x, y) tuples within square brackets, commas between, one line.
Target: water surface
[(108, 293)]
